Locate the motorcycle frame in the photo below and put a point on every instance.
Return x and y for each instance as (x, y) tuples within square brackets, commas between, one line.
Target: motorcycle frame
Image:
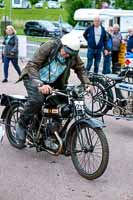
[(9, 100)]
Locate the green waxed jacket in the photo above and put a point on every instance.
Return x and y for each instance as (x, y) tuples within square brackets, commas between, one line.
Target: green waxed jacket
[(45, 54)]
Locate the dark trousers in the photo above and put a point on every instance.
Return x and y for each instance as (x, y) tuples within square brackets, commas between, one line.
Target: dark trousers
[(34, 103), (6, 65), (114, 61), (96, 55), (106, 64)]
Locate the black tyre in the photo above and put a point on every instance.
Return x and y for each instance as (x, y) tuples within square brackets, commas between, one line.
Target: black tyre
[(89, 151), (27, 32), (10, 124), (98, 102)]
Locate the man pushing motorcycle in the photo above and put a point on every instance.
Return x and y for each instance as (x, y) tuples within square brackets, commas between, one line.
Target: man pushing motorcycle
[(51, 64)]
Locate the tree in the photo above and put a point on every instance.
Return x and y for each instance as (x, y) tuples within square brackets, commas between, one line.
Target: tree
[(73, 5), (33, 1), (124, 4), (99, 3)]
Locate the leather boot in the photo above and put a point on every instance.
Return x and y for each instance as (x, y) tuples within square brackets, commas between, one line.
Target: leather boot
[(20, 134)]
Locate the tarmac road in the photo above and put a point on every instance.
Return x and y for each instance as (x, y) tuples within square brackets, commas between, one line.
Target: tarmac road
[(28, 175)]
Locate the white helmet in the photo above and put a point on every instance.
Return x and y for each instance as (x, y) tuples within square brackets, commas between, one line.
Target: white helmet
[(71, 44)]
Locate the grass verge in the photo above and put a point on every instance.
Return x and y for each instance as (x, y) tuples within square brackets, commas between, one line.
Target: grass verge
[(20, 16)]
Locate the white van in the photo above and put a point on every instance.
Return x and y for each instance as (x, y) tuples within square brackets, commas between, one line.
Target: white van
[(85, 17), (21, 4)]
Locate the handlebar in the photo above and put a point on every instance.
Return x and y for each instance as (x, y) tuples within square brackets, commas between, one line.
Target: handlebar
[(70, 90)]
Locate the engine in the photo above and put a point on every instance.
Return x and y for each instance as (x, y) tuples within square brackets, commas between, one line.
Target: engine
[(62, 110), (124, 107)]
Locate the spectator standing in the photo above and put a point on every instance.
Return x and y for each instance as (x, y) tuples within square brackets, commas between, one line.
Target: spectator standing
[(117, 39), (10, 51), (130, 40), (96, 38), (108, 57)]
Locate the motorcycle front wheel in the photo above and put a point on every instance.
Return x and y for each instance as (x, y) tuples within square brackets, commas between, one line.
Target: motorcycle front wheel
[(89, 151)]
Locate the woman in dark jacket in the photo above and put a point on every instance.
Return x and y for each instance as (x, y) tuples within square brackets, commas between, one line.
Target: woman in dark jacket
[(108, 57), (10, 51), (130, 40)]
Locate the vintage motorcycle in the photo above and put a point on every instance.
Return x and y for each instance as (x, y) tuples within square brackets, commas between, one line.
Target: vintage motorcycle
[(111, 92), (63, 120)]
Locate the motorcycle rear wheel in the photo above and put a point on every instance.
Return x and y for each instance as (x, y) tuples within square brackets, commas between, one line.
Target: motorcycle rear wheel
[(89, 151), (97, 104), (10, 124)]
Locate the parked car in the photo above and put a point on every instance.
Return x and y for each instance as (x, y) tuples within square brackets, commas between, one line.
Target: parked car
[(53, 4), (66, 27), (41, 28), (39, 5)]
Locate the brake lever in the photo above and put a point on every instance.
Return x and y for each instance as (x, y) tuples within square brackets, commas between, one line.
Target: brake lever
[(56, 92)]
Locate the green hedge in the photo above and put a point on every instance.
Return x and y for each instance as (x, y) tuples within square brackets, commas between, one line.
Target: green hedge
[(20, 16)]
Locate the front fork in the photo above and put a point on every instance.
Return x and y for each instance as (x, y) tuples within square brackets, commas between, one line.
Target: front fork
[(81, 137)]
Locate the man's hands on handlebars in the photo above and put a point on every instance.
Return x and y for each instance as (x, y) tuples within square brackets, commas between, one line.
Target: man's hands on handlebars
[(45, 89)]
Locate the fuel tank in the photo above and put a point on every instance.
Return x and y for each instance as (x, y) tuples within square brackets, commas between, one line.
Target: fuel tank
[(125, 86)]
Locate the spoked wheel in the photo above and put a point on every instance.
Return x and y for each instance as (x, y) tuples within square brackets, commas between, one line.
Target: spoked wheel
[(97, 103), (89, 151), (10, 123)]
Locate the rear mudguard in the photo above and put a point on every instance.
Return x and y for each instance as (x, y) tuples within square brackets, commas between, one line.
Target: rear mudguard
[(9, 107), (8, 101), (4, 112), (91, 122)]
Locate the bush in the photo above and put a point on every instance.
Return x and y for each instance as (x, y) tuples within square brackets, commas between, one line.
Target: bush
[(74, 5)]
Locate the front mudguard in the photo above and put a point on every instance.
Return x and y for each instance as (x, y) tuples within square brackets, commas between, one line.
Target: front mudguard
[(91, 122), (94, 123)]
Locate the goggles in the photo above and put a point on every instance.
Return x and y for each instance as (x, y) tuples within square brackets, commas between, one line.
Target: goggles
[(70, 51)]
